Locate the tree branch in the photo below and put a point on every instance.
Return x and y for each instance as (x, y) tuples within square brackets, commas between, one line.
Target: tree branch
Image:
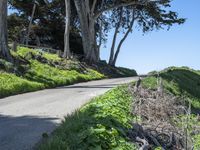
[(115, 6), (93, 6), (124, 5), (124, 38), (112, 50)]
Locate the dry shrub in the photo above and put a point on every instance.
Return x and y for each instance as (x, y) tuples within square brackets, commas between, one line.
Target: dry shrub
[(158, 119)]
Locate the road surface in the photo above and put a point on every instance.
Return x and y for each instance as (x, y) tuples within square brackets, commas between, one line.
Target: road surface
[(24, 118)]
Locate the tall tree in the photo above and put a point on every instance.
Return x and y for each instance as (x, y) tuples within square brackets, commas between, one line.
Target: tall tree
[(4, 51), (66, 53), (48, 24), (87, 28), (89, 11), (35, 3), (125, 21), (118, 20), (151, 16)]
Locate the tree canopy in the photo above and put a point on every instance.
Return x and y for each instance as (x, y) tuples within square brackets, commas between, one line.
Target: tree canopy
[(90, 21)]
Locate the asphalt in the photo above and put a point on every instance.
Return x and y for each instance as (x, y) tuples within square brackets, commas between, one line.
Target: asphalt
[(25, 117)]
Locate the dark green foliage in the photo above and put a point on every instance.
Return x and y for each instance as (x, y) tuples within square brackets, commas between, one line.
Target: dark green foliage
[(15, 26), (48, 24), (156, 16), (101, 124), (7, 66)]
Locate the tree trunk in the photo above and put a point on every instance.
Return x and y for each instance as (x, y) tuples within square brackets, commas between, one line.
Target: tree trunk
[(92, 53), (113, 63), (67, 53), (4, 51), (112, 50), (88, 18), (100, 40), (30, 23), (87, 23)]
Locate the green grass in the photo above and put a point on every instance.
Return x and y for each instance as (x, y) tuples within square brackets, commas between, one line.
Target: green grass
[(180, 81), (197, 142), (101, 124), (11, 84), (31, 75), (23, 51), (44, 70), (51, 76), (187, 80)]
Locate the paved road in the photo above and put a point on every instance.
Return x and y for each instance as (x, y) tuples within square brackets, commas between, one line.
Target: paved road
[(24, 118)]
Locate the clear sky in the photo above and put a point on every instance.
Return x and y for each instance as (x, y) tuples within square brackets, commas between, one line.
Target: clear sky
[(160, 49)]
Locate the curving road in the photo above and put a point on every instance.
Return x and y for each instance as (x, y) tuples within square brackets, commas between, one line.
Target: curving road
[(24, 118)]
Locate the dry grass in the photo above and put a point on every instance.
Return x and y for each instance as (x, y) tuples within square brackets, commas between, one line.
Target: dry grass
[(163, 120)]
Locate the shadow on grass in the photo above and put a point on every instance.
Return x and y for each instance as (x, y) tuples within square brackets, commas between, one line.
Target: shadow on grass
[(87, 130), (187, 80), (22, 133), (41, 79)]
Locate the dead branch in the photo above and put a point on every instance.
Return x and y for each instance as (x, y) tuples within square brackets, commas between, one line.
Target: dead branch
[(159, 115)]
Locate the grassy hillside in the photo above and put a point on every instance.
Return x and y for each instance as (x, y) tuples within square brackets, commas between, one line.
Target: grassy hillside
[(11, 84), (182, 82), (34, 70)]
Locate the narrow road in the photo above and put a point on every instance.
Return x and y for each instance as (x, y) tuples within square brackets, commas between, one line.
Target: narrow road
[(24, 118)]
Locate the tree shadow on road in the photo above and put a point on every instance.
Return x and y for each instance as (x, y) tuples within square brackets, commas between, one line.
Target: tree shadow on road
[(24, 132), (102, 86)]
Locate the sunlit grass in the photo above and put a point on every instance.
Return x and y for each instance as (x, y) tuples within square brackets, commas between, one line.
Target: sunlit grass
[(11, 84), (101, 124), (36, 75)]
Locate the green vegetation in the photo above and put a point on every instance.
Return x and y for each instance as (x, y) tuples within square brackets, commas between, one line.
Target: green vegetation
[(180, 81), (103, 123), (38, 70), (51, 76), (11, 84), (23, 52), (34, 70), (99, 125)]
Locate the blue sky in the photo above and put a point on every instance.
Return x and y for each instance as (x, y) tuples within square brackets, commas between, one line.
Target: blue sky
[(160, 49)]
